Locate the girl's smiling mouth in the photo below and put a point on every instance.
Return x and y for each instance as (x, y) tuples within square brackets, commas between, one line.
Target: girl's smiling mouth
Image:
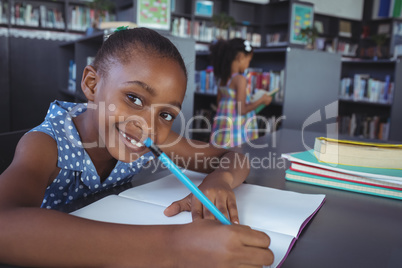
[(132, 142)]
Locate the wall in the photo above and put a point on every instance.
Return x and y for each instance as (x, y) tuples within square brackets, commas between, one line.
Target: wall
[(350, 9)]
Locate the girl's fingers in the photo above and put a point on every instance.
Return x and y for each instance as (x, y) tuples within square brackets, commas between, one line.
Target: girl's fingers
[(233, 212), (178, 206), (255, 238), (196, 208), (206, 213), (260, 257)]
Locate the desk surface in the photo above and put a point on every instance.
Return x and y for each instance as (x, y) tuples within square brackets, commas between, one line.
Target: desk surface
[(350, 230)]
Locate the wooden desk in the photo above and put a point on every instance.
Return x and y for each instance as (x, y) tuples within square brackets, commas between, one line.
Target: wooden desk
[(350, 230)]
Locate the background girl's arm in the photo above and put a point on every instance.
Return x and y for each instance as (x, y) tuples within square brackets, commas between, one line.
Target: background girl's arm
[(239, 83)]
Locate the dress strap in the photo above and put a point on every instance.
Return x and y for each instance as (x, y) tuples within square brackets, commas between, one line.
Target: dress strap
[(231, 77)]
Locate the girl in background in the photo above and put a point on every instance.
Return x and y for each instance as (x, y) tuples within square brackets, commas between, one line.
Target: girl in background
[(235, 121)]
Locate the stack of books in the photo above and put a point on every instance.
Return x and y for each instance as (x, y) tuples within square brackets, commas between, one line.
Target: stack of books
[(368, 168)]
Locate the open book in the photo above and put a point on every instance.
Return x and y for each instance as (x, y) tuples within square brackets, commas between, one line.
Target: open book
[(280, 214), (258, 95)]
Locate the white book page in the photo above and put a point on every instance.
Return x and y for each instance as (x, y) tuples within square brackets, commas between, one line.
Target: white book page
[(259, 207), (116, 209)]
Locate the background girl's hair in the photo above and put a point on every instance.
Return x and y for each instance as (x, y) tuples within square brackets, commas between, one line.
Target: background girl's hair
[(122, 45), (223, 53)]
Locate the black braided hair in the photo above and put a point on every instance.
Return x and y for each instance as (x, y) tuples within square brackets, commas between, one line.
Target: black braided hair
[(122, 45)]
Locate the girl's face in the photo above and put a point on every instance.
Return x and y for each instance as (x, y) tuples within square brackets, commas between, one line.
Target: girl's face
[(245, 60), (140, 99)]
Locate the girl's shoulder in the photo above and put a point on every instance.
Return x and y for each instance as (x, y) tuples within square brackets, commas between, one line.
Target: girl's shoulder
[(237, 80), (58, 121)]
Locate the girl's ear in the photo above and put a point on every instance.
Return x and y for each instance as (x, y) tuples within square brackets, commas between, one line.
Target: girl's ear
[(89, 81)]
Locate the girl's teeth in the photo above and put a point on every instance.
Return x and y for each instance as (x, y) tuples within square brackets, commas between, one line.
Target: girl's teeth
[(133, 142)]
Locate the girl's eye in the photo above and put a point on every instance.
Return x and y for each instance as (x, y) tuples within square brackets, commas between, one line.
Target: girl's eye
[(134, 99), (167, 117)]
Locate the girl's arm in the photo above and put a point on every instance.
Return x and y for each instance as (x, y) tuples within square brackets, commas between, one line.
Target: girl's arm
[(239, 83), (227, 170), (32, 236)]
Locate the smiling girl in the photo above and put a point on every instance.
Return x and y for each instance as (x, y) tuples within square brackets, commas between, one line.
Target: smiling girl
[(135, 89)]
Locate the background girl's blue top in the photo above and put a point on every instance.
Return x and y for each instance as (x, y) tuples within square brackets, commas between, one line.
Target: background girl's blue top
[(78, 177)]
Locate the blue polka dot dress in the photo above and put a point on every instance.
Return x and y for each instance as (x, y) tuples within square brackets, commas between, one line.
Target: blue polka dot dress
[(78, 177)]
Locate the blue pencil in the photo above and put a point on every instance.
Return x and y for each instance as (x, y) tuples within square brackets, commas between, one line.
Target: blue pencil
[(186, 181)]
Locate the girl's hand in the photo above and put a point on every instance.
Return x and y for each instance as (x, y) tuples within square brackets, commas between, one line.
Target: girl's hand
[(266, 99), (216, 187), (212, 244)]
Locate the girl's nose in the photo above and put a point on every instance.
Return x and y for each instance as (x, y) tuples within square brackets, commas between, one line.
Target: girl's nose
[(145, 124)]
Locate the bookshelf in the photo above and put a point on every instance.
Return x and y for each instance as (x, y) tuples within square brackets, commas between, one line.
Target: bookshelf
[(376, 118), (78, 52), (338, 35), (53, 15), (384, 39), (185, 23), (28, 75), (30, 34), (306, 88)]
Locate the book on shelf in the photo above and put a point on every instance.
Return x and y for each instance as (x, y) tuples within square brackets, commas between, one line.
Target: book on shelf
[(24, 14), (205, 81), (363, 88), (72, 71), (357, 153), (82, 17), (383, 8), (3, 12), (51, 17), (306, 168), (364, 126), (277, 39), (271, 81), (387, 9), (347, 48), (345, 28), (280, 214), (182, 27)]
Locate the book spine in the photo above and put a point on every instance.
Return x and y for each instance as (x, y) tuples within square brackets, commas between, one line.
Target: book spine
[(383, 10), (347, 186), (368, 182)]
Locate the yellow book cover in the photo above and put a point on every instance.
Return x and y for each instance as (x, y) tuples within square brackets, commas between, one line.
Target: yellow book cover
[(356, 153)]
